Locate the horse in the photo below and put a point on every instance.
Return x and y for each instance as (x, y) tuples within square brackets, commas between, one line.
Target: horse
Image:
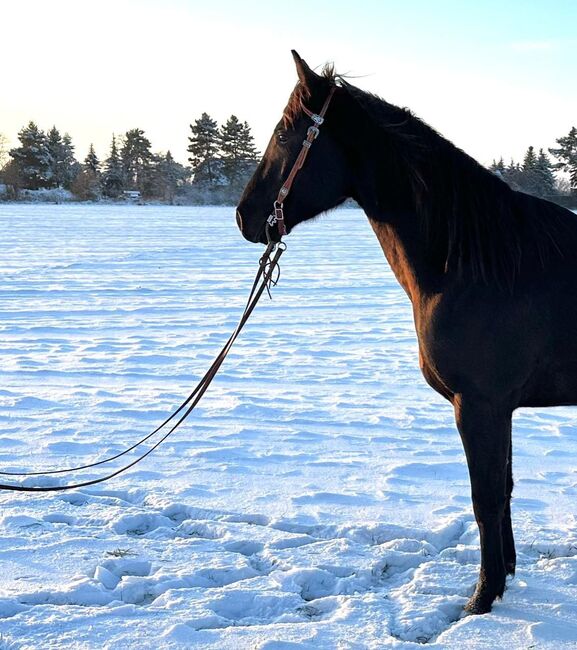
[(491, 272)]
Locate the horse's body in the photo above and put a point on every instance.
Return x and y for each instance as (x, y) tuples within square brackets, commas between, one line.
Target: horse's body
[(491, 274)]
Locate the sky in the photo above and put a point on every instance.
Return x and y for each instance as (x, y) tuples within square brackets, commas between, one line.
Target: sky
[(493, 77)]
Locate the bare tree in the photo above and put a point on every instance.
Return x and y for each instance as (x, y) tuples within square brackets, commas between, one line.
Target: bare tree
[(3, 150)]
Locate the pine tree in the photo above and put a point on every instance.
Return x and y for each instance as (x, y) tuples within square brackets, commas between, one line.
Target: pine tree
[(527, 179), (71, 166), (87, 185), (546, 178), (247, 146), (113, 177), (32, 158), (513, 166), (498, 167), (91, 162), (12, 178), (168, 176), (566, 153), (62, 161), (512, 174), (237, 151), (136, 161), (203, 147), (530, 160), (230, 148), (54, 144)]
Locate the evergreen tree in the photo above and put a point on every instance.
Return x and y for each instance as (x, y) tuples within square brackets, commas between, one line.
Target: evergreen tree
[(137, 161), (230, 147), (498, 167), (12, 178), (530, 160), (248, 149), (203, 147), (168, 176), (32, 158), (91, 162), (512, 175), (113, 177), (237, 151), (566, 153), (527, 178), (54, 144), (545, 176), (62, 162), (71, 167), (87, 185)]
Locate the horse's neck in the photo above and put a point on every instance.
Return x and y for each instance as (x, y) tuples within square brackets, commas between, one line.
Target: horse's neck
[(404, 245), (400, 261), (398, 227)]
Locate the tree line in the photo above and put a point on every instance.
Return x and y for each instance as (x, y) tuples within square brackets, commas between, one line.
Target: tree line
[(536, 174), (222, 158)]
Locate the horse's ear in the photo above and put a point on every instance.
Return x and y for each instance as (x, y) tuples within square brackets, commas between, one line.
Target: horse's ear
[(305, 74)]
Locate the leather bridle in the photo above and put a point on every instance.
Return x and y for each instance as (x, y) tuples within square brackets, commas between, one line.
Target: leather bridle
[(277, 215)]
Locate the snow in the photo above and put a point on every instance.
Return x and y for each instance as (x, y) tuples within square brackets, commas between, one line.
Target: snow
[(317, 498), (52, 195)]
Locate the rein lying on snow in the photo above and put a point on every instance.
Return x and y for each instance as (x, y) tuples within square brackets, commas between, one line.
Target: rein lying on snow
[(267, 276)]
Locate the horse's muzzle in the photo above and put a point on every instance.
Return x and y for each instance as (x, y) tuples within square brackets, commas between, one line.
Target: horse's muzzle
[(255, 236), (239, 220)]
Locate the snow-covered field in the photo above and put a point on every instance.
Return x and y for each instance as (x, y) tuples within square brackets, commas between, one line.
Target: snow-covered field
[(318, 497)]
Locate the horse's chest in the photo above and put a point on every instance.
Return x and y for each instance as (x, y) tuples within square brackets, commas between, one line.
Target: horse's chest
[(433, 377), (474, 346)]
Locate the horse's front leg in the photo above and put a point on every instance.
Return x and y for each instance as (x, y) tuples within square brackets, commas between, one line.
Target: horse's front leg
[(509, 554), (485, 430)]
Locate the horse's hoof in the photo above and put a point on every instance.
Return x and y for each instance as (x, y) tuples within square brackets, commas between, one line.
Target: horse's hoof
[(479, 604), (510, 568)]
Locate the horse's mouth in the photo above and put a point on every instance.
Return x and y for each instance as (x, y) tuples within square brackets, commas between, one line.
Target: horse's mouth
[(260, 235), (256, 236)]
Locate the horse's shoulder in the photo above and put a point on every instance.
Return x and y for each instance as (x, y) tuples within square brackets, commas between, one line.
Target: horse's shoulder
[(465, 334)]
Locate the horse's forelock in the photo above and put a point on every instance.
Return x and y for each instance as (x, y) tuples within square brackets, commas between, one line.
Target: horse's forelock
[(301, 94)]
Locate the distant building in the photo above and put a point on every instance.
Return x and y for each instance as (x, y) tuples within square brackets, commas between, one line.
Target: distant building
[(131, 195)]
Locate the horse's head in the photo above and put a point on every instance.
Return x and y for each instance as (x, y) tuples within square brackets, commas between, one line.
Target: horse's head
[(323, 181)]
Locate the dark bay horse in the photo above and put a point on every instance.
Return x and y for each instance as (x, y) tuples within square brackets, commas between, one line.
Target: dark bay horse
[(491, 272)]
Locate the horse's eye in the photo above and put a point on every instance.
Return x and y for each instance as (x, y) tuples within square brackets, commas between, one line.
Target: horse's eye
[(282, 136)]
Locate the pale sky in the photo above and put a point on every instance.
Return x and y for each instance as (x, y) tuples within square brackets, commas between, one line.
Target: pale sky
[(492, 76)]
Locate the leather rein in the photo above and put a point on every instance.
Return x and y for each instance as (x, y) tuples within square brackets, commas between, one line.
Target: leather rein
[(267, 276), (277, 215)]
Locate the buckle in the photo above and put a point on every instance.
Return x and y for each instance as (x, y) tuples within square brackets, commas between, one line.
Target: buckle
[(314, 130), (317, 119), (278, 211)]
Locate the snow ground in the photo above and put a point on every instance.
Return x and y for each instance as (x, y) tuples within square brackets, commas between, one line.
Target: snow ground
[(317, 499)]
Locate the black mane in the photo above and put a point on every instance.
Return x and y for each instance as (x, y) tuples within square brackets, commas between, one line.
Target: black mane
[(475, 223)]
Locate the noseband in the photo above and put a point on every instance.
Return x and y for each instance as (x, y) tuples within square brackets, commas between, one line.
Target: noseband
[(277, 216)]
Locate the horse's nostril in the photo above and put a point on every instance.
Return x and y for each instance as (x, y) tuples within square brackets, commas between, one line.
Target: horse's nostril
[(239, 220)]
